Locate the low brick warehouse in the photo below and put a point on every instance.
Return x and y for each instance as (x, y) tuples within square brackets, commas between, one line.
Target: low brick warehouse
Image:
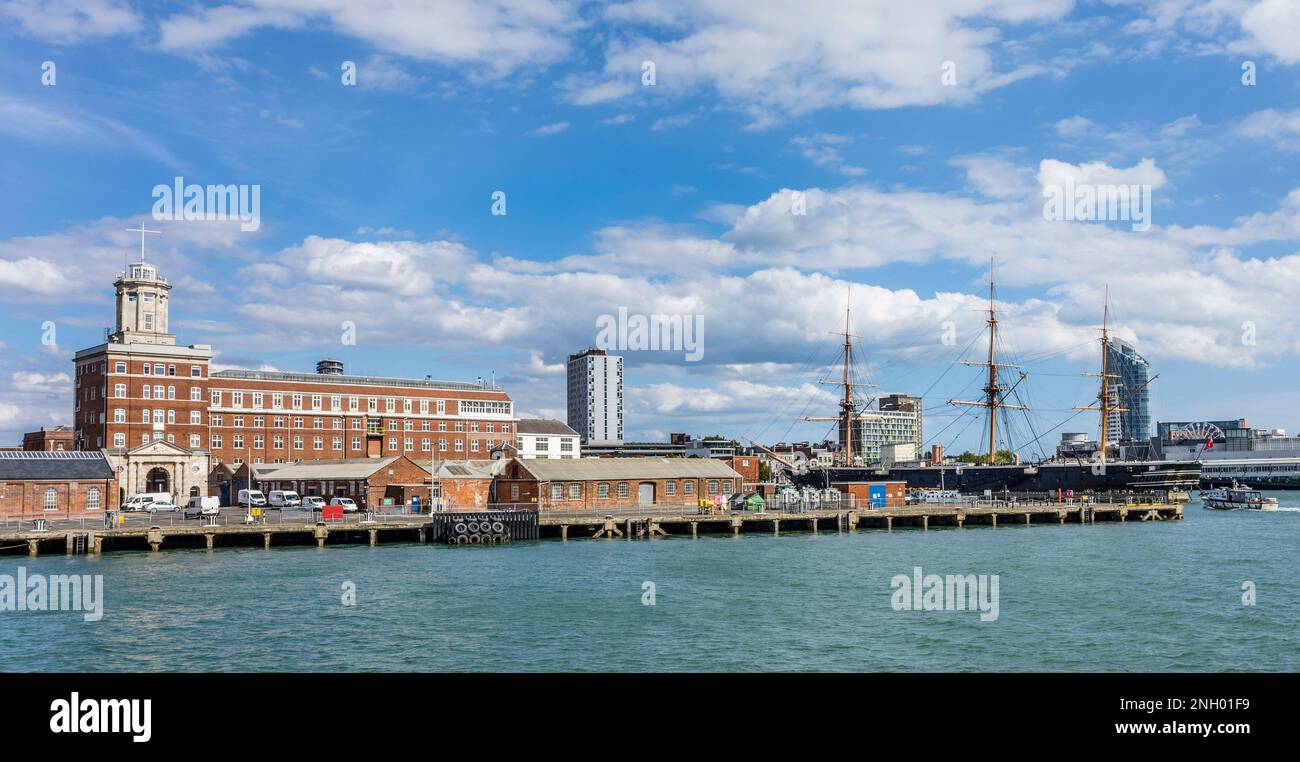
[(56, 484), (602, 483)]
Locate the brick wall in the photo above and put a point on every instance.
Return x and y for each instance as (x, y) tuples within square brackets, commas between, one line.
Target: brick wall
[(26, 498), (746, 466)]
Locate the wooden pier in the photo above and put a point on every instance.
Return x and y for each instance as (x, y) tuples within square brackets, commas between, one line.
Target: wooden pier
[(77, 540), (565, 525), (568, 525)]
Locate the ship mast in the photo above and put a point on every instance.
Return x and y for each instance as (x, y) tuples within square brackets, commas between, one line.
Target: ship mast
[(1103, 397), (993, 392), (848, 406)]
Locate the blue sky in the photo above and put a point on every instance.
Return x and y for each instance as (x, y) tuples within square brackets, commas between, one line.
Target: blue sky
[(671, 198)]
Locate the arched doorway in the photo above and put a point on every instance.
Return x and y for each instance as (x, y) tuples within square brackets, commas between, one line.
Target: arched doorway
[(157, 480), (645, 493)]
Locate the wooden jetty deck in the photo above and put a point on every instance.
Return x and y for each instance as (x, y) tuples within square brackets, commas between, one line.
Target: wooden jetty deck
[(74, 538), (564, 524)]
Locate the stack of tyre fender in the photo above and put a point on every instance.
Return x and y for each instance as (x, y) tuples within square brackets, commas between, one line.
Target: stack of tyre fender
[(477, 531)]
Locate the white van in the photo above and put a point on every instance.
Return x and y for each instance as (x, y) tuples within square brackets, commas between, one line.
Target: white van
[(202, 506), (346, 502), (283, 498), (141, 501), (250, 498)]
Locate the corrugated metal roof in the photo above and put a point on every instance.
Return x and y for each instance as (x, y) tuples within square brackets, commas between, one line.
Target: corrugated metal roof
[(588, 469), (59, 464), (346, 468)]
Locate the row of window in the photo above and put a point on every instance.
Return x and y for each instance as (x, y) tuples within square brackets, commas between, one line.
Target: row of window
[(158, 416), (157, 392), (158, 369), (258, 441), (317, 402), (51, 499), (259, 421), (119, 439)]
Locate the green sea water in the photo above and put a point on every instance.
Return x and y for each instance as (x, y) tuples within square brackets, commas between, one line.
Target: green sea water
[(1155, 596)]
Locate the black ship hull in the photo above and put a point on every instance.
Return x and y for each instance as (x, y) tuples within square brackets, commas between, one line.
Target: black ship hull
[(1049, 477)]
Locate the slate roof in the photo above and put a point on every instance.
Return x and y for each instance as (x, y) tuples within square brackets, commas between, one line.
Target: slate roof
[(345, 469), (60, 465)]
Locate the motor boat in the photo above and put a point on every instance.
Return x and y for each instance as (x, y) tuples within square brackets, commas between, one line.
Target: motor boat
[(1237, 498)]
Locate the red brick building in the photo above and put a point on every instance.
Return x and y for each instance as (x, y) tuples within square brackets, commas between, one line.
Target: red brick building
[(164, 420), (372, 483), (49, 439), (286, 417), (54, 484), (746, 466), (601, 483)]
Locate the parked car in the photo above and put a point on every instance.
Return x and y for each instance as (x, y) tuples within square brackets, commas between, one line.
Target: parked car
[(162, 506), (202, 506), (346, 502), (283, 498), (249, 498), (142, 500), (312, 503)]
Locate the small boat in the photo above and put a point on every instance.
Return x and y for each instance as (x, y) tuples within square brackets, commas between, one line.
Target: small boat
[(930, 496), (1237, 497)]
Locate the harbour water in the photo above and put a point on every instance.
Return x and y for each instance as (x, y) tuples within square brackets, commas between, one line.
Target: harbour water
[(1159, 596)]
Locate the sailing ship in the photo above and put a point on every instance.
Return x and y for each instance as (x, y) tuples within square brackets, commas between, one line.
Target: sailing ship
[(1173, 478)]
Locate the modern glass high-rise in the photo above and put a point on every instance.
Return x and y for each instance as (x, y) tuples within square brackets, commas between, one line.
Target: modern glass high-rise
[(1131, 390), (595, 396)]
